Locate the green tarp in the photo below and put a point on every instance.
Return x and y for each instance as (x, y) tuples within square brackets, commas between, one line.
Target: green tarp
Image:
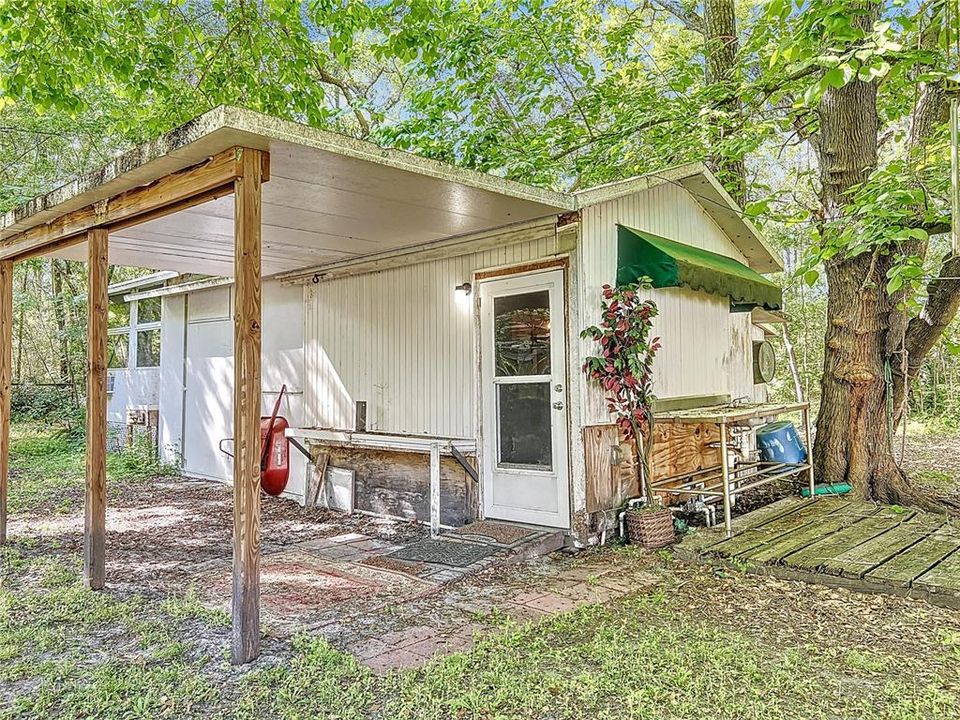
[(671, 264)]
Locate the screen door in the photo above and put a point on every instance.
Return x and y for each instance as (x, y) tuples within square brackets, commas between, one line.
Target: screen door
[(523, 393)]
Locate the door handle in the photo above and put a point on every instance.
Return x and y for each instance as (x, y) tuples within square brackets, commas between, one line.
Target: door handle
[(558, 405)]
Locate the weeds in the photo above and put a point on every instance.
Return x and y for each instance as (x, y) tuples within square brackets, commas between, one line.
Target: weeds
[(49, 468)]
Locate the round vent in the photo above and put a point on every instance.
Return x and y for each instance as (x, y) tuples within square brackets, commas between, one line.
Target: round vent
[(764, 362)]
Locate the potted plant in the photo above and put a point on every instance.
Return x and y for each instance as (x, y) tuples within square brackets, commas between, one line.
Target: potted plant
[(623, 368)]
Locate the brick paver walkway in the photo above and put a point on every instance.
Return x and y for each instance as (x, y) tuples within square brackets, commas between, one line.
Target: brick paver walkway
[(450, 619)]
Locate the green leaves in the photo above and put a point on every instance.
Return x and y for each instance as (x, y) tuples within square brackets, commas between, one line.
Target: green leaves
[(624, 366), (908, 274)]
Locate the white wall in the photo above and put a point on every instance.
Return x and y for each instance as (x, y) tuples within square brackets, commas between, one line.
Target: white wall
[(133, 387), (707, 350), (196, 402), (399, 340), (170, 396)]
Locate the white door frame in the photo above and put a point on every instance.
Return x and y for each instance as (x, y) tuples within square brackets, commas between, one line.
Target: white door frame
[(553, 280)]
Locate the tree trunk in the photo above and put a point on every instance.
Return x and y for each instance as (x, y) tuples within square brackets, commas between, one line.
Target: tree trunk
[(21, 323), (60, 305), (924, 331), (721, 47), (865, 325), (854, 441)]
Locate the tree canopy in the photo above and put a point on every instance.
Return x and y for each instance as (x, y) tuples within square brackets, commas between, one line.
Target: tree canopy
[(826, 118)]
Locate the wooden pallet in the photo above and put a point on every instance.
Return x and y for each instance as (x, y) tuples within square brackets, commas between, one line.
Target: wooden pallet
[(847, 543)]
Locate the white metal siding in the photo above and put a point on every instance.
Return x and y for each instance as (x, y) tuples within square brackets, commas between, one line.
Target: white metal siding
[(399, 340), (172, 339), (133, 387), (206, 382), (706, 348)]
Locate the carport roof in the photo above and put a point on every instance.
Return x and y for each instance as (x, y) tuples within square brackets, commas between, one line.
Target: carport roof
[(330, 198)]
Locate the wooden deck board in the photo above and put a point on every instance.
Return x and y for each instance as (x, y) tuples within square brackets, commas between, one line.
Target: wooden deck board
[(945, 575), (776, 550), (902, 570), (828, 548), (708, 537), (860, 560), (841, 542), (769, 530)]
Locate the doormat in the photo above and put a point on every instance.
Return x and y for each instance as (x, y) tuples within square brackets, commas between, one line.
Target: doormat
[(497, 532), (440, 552), (386, 562)]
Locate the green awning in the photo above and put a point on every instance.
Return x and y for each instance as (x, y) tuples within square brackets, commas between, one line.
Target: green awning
[(672, 264)]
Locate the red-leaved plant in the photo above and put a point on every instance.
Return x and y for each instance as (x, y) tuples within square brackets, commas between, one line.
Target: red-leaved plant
[(624, 367)]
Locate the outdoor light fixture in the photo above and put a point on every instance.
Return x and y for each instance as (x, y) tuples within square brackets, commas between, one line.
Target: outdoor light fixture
[(463, 291)]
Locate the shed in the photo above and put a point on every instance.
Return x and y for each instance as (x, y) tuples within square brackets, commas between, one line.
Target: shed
[(425, 319)]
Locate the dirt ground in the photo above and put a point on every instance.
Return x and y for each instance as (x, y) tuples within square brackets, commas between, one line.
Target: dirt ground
[(933, 461), (160, 532), (757, 646)]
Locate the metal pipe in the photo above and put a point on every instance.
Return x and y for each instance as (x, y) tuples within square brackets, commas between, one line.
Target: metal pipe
[(758, 464), (806, 432), (623, 513), (769, 479), (725, 472)]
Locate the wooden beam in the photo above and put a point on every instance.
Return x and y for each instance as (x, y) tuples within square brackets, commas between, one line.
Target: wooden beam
[(95, 516), (246, 407), (6, 373), (179, 190)]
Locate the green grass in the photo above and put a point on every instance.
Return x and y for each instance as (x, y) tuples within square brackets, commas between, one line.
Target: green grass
[(90, 655), (49, 469), (71, 653), (637, 658), (935, 480)]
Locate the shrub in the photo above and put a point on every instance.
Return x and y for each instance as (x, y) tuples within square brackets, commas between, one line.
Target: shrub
[(53, 405)]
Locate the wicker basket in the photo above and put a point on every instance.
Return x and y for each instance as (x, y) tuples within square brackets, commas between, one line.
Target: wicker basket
[(650, 529)]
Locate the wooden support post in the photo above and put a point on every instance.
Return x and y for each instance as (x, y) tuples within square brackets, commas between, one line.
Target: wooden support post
[(435, 490), (246, 407), (95, 518), (6, 377)]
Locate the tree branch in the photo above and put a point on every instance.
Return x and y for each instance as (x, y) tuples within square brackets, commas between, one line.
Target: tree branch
[(330, 79), (934, 226), (690, 19), (923, 331)]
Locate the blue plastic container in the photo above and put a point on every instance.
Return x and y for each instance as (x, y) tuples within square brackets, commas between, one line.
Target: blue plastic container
[(780, 442)]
